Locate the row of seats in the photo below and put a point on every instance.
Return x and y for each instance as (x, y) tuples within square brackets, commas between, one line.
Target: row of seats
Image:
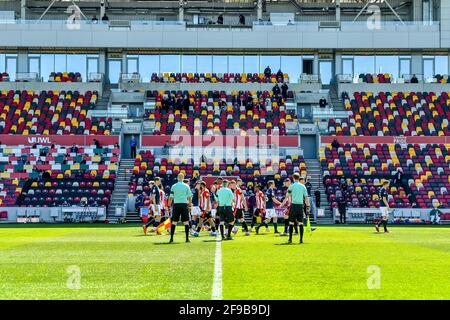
[(375, 78), (426, 169), (4, 77), (392, 114), (50, 112), (147, 166), (65, 77), (219, 78), (40, 176), (219, 111)]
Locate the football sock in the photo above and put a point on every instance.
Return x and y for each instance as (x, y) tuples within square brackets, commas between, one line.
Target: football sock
[(296, 227), (301, 232), (148, 224), (275, 226), (186, 230), (172, 231), (291, 229), (199, 228), (221, 230), (245, 226), (286, 225), (230, 228)]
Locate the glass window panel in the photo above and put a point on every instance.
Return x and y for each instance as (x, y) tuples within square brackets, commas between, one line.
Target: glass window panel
[(92, 65), (204, 64), (428, 68), (387, 64), (170, 63), (235, 64), (77, 63), (148, 64), (347, 66), (220, 64), (33, 65), (405, 66), (60, 63), (441, 65), (292, 65), (132, 65), (326, 71), (2, 63), (114, 70), (363, 64), (47, 65), (189, 63), (251, 64), (272, 61), (11, 67)]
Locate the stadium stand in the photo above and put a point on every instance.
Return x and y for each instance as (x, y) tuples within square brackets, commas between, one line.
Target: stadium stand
[(147, 166), (65, 77), (375, 78), (219, 78), (57, 175), (50, 112), (402, 113), (425, 168), (218, 111), (4, 77)]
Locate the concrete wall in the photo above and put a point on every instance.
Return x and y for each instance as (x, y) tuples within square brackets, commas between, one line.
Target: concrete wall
[(304, 35), (45, 213), (228, 87), (383, 87), (54, 86)]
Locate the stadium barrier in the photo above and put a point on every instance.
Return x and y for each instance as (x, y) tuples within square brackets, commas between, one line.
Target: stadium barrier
[(392, 87), (53, 214), (62, 140), (386, 139), (367, 215), (53, 86), (231, 141)]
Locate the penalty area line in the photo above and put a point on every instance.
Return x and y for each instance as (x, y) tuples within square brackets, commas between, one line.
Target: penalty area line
[(217, 282)]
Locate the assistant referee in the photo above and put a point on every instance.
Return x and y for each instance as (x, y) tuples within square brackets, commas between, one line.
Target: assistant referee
[(299, 195), (181, 198)]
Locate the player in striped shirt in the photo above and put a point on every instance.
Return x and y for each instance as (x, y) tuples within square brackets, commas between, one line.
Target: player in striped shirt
[(205, 206), (240, 205), (260, 206)]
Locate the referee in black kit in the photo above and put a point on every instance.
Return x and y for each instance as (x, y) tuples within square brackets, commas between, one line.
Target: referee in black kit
[(181, 198)]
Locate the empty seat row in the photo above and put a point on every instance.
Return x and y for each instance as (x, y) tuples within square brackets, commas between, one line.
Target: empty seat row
[(279, 77)]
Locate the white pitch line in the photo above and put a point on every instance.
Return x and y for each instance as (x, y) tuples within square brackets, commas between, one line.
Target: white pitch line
[(217, 283)]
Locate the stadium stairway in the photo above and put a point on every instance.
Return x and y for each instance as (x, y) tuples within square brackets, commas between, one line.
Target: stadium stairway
[(336, 101), (315, 174), (120, 192)]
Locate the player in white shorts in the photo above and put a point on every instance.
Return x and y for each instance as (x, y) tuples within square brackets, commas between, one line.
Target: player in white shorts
[(270, 213)]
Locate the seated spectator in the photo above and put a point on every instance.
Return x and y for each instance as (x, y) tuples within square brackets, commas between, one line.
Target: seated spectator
[(220, 19), (280, 74), (276, 90), (94, 19), (105, 18), (335, 144), (284, 90), (323, 102), (435, 215), (241, 20), (398, 177), (414, 79)]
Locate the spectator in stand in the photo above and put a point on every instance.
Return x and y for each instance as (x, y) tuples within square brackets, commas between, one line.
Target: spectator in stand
[(267, 72), (133, 146), (280, 74), (220, 19), (276, 90), (343, 185), (342, 207), (414, 79), (74, 149), (97, 144), (317, 198), (241, 20), (284, 90), (323, 102), (105, 18), (94, 19), (335, 144), (435, 214), (398, 176), (308, 186)]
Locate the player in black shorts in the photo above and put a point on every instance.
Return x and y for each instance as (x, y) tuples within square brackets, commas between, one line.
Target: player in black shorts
[(181, 198)]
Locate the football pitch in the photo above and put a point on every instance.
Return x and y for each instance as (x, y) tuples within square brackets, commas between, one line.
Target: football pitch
[(119, 262)]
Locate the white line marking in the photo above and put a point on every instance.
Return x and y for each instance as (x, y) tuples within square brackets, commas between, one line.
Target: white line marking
[(217, 283)]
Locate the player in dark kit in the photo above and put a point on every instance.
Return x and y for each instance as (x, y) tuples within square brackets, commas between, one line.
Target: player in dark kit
[(181, 199), (384, 207), (270, 213)]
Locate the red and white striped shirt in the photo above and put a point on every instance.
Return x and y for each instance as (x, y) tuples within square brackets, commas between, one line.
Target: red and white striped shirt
[(162, 197), (260, 200), (205, 201), (238, 199)]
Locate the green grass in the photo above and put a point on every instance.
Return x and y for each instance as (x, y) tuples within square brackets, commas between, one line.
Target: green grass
[(118, 262)]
